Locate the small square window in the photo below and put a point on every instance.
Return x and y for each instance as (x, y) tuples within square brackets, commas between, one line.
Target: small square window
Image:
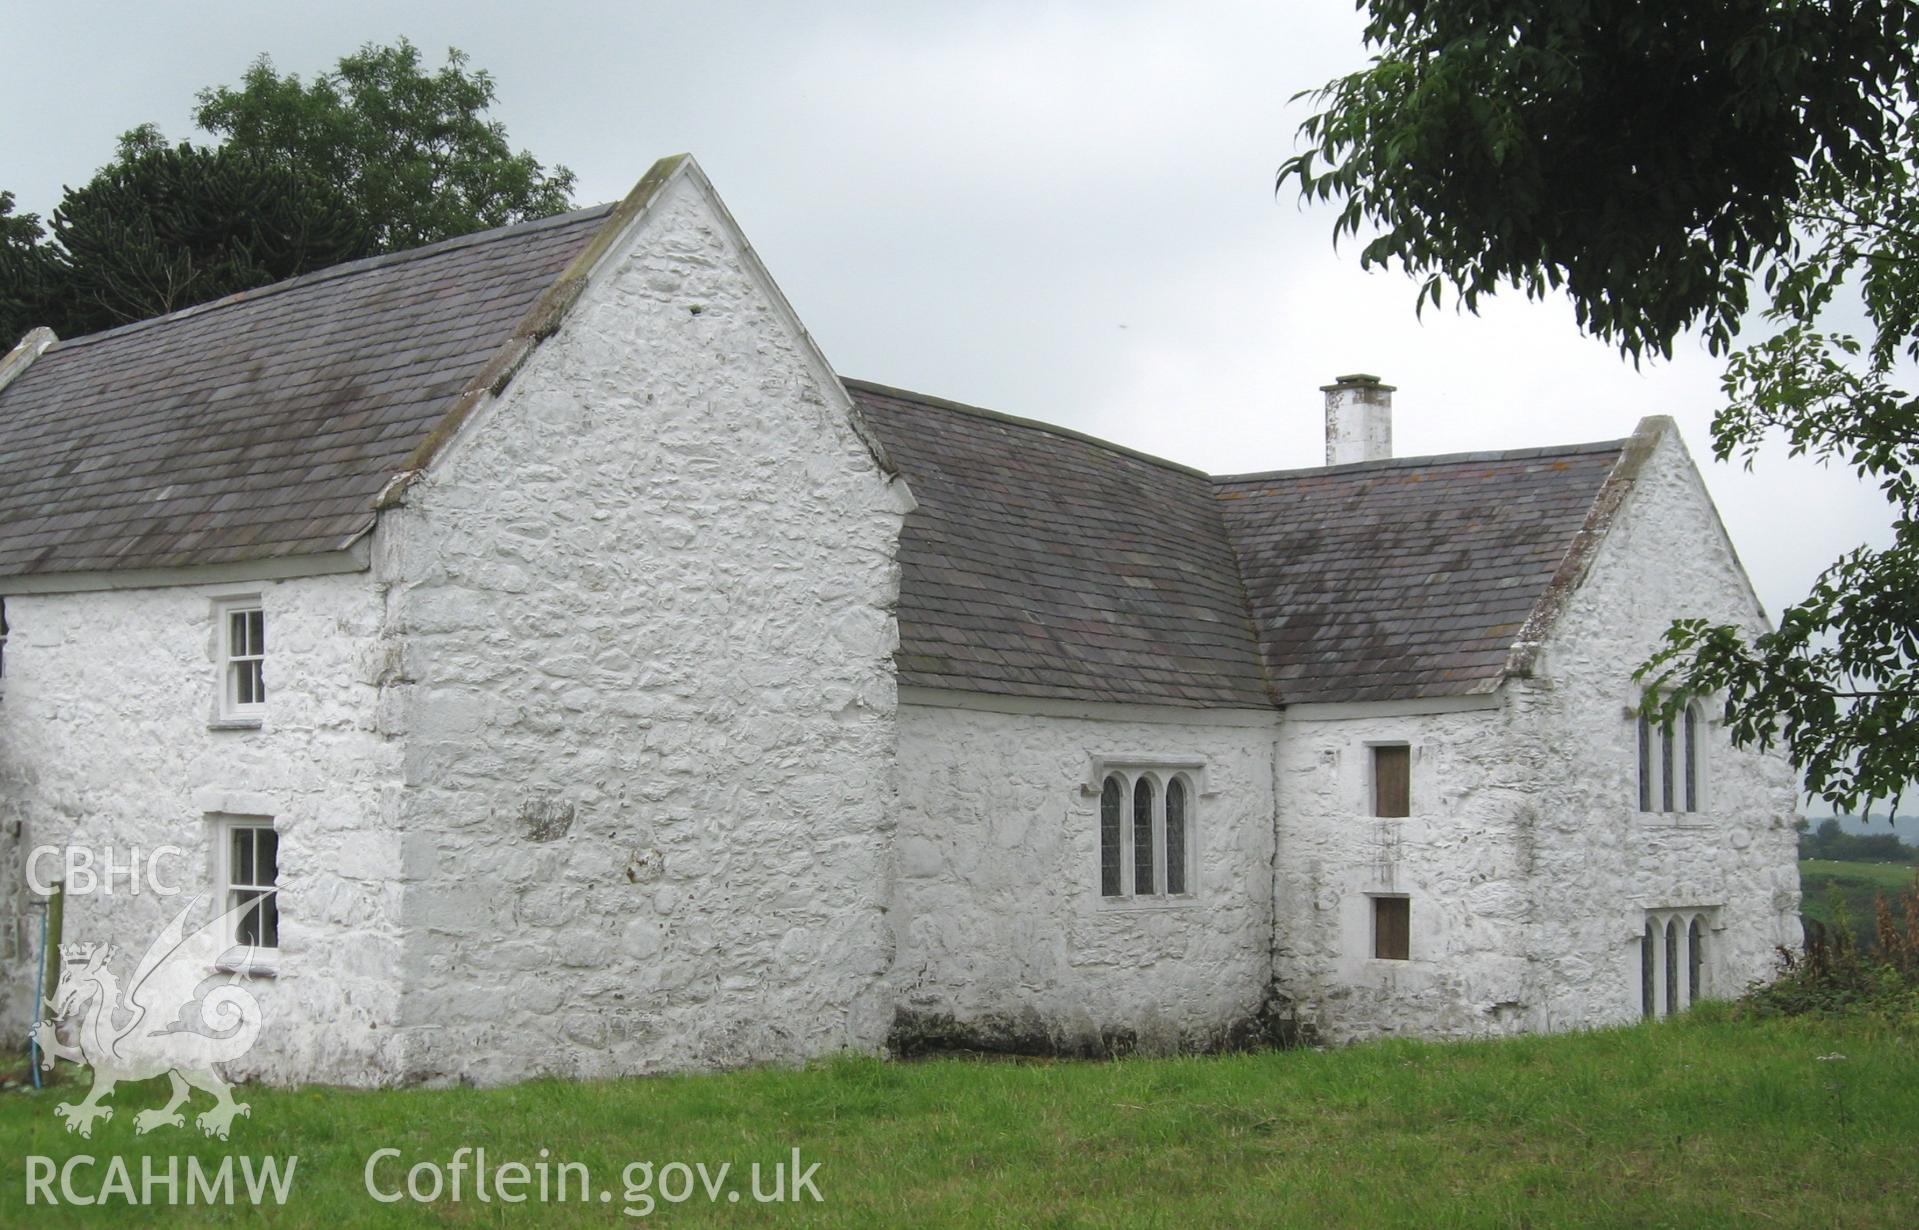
[(1392, 928), (247, 876), (242, 628), (1392, 781)]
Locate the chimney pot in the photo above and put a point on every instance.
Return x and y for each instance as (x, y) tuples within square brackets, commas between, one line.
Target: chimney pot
[(1359, 419)]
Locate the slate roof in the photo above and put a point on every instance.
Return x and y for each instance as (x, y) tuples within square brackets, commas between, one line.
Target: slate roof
[(1040, 562), (263, 424), (1045, 563), (1405, 578)]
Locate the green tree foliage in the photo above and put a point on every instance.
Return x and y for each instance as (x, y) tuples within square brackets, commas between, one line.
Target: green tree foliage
[(1829, 841), (377, 155), (26, 274), (1672, 167), (412, 147), (166, 228)]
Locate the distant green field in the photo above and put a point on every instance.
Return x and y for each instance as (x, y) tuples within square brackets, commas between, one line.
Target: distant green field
[(1823, 883), (1694, 1123)]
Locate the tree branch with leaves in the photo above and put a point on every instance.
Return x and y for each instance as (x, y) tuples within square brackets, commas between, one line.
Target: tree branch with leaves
[(1669, 168)]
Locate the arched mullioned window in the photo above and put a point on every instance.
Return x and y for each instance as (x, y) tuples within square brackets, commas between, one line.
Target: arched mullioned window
[(1695, 957), (1672, 964), (1145, 882), (1111, 868), (1648, 967), (1176, 836), (1670, 764), (1146, 834), (1673, 969)]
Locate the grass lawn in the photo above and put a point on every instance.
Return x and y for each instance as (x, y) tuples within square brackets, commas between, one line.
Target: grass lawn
[(1856, 883), (1693, 1123)]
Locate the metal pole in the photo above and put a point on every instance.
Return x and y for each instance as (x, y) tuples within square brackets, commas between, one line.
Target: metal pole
[(56, 919), (39, 990)]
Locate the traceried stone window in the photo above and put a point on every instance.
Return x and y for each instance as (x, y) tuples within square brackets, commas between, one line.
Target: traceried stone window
[(1146, 860), (1112, 877), (1146, 835), (1176, 836), (1670, 765), (1672, 960), (242, 631)]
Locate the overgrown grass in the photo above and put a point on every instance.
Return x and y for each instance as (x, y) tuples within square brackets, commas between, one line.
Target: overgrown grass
[(1698, 1122)]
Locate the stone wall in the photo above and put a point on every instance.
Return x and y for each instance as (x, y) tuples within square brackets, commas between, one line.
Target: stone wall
[(1003, 936), (647, 604), (105, 741), (1528, 866), (1462, 858), (1601, 862)]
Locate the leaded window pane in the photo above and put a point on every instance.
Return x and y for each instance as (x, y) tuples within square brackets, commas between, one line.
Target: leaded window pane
[(1144, 881), (1672, 965), (1111, 802), (1692, 759), (1176, 836), (1695, 958), (1666, 769), (1645, 764), (1648, 1006)]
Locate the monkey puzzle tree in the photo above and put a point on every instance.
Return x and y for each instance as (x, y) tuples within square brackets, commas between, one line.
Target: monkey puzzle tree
[(377, 155), (167, 228)]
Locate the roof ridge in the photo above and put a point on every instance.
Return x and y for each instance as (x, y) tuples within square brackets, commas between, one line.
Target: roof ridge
[(941, 403), (1386, 463), (1392, 463), (346, 269)]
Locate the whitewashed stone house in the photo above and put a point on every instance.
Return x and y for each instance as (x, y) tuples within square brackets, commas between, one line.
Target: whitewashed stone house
[(597, 683)]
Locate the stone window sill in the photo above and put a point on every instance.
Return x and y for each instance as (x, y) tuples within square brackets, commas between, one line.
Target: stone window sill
[(235, 723), (1145, 905), (1674, 820), (249, 964)]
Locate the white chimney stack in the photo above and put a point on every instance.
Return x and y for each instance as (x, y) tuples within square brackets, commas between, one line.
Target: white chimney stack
[(1359, 419)]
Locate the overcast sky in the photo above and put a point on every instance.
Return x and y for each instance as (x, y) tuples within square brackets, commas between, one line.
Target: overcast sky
[(1058, 210)]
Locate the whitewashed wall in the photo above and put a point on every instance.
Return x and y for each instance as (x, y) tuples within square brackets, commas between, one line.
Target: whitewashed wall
[(1527, 862), (1004, 938), (647, 600), (105, 742), (1461, 857), (1601, 862)]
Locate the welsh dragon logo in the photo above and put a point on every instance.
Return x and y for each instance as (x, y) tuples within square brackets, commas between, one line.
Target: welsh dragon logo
[(168, 1020)]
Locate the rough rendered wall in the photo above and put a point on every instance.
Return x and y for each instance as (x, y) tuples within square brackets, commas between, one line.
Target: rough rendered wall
[(105, 741), (648, 606), (1001, 924), (1462, 857), (1601, 862), (1527, 863)]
